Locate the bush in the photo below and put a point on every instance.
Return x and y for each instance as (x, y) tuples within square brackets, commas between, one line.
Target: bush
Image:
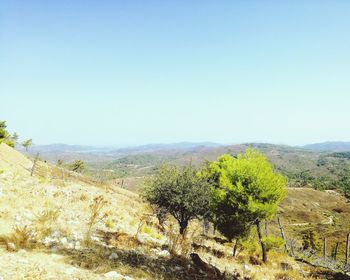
[(179, 192), (273, 242), (311, 240)]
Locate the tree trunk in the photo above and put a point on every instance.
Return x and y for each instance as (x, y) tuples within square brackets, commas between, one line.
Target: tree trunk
[(234, 251), (263, 248), (335, 251), (282, 234), (183, 225), (347, 249), (324, 248), (205, 226)]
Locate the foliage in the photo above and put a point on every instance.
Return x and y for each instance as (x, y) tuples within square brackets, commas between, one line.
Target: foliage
[(345, 155), (77, 166), (343, 182), (20, 238), (272, 242), (5, 136), (46, 220), (245, 191), (27, 143), (180, 192), (311, 240), (95, 215)]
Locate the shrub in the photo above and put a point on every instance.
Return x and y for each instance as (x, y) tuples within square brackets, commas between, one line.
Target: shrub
[(95, 215), (179, 192), (311, 240), (273, 242), (20, 238)]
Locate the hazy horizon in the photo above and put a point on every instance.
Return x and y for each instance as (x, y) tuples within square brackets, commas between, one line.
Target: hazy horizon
[(135, 73)]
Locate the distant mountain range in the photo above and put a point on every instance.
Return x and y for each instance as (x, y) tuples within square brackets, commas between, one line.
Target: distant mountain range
[(53, 152), (66, 152), (329, 147)]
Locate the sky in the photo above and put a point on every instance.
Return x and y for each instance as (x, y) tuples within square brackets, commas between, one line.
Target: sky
[(134, 72)]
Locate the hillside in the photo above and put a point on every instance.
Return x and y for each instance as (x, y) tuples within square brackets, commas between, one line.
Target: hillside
[(48, 216), (125, 243)]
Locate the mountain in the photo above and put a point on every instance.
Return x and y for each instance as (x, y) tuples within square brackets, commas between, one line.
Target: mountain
[(329, 147), (65, 152)]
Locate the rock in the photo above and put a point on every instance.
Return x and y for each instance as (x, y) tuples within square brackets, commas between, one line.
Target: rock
[(77, 245), (50, 190), (145, 238), (64, 240), (70, 270), (70, 245), (77, 236), (113, 256), (114, 275), (128, 278), (55, 234), (95, 238), (246, 268), (54, 249), (163, 253), (28, 215), (11, 246)]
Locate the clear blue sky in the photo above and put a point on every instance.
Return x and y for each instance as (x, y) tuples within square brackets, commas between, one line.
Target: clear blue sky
[(136, 72)]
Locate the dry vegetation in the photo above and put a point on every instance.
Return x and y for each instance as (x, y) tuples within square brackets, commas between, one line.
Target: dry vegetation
[(59, 225)]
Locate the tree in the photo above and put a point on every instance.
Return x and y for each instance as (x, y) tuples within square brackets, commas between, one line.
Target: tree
[(14, 138), (245, 191), (5, 136), (311, 240), (78, 166), (27, 143), (180, 192)]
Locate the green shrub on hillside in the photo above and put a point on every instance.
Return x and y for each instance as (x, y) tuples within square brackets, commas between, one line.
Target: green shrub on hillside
[(180, 192)]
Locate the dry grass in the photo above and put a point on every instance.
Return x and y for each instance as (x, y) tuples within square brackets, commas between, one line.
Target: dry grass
[(20, 238)]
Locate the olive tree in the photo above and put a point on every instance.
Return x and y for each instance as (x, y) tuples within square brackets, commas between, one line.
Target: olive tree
[(245, 191), (180, 192)]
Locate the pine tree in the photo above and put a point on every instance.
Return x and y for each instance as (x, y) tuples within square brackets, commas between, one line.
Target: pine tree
[(246, 191)]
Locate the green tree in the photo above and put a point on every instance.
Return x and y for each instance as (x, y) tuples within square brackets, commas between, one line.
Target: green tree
[(78, 166), (245, 191), (27, 143), (180, 192), (311, 240), (5, 136)]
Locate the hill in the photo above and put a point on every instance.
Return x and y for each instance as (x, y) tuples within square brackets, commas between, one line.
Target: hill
[(47, 218), (321, 170), (329, 147)]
